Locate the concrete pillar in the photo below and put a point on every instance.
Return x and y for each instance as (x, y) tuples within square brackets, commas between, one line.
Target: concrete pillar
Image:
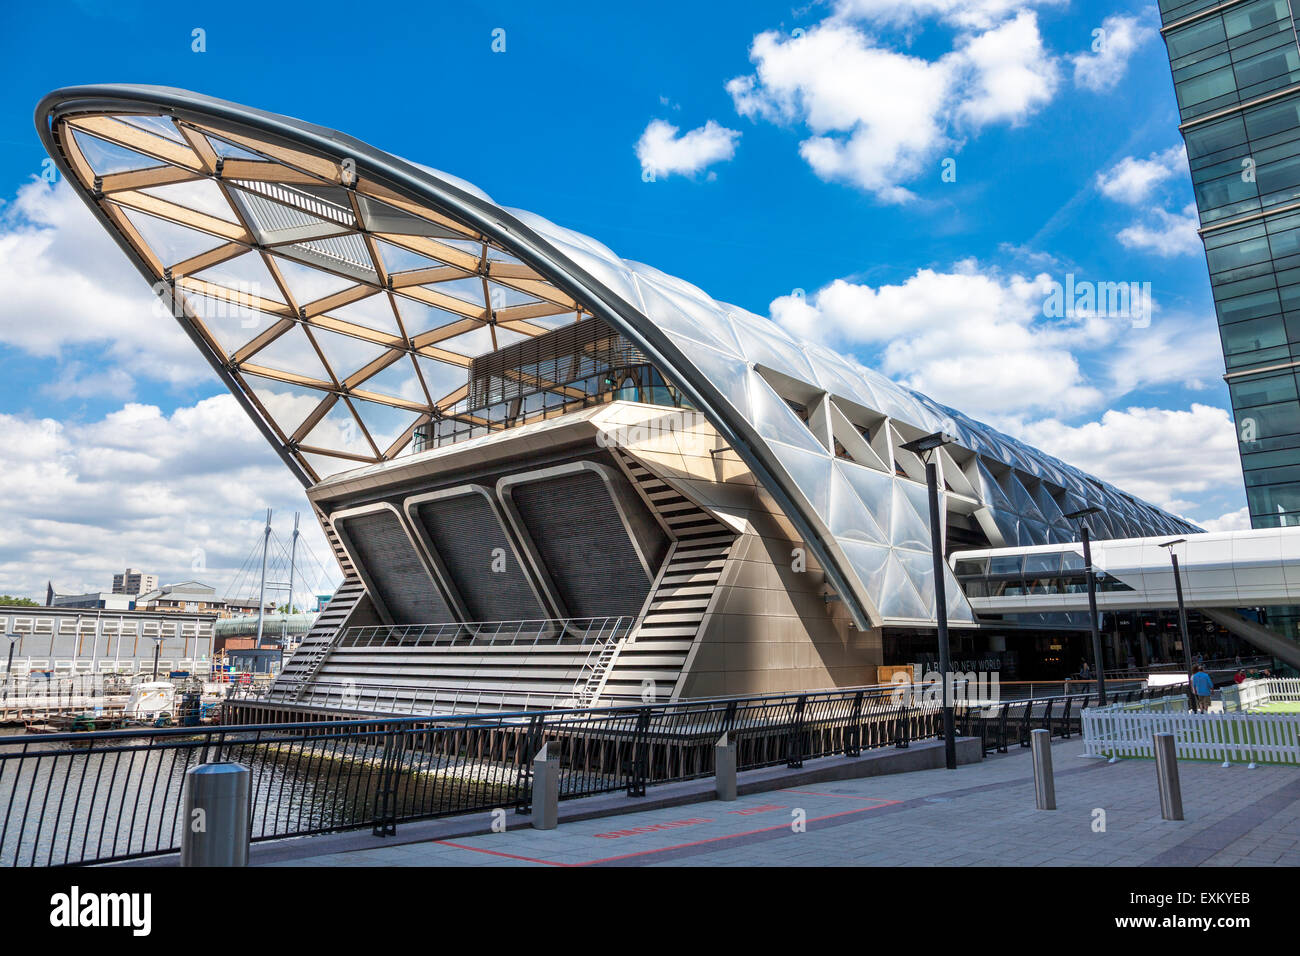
[(724, 760), (546, 790)]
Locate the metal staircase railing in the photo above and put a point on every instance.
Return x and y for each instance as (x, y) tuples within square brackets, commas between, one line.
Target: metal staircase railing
[(302, 667)]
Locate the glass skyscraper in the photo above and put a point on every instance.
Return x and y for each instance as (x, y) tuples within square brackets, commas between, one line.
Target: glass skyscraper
[(1236, 70)]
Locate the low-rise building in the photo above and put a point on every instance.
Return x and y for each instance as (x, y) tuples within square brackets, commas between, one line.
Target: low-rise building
[(193, 597)]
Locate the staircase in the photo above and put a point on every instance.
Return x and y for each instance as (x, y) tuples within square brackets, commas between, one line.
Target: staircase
[(588, 685), (680, 599), (302, 667)]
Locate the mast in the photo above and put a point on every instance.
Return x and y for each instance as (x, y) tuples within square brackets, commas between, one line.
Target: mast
[(261, 599), (293, 558)]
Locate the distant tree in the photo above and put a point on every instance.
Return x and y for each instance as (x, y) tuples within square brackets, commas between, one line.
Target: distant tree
[(286, 609), (8, 600)]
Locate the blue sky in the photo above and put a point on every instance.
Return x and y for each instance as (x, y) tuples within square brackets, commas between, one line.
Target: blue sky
[(808, 154)]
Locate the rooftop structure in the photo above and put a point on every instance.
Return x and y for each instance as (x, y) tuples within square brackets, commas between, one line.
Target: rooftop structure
[(500, 420)]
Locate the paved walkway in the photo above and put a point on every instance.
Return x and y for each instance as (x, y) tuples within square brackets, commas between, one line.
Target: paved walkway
[(1108, 814)]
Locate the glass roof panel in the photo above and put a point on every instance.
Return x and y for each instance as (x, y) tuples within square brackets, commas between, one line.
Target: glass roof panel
[(467, 290), (442, 378), (228, 150), (503, 297), (373, 312), (849, 517), (762, 347), (699, 325), (157, 125), (874, 489), (811, 473), (726, 373), (908, 528), (385, 423), (231, 324), (479, 341), (419, 317), (170, 242), (307, 284), (870, 563), (201, 195), (919, 566), (106, 158), (289, 405), (339, 431), (898, 598), (326, 465), (773, 418), (346, 354), (246, 274), (398, 259), (291, 352), (400, 381)]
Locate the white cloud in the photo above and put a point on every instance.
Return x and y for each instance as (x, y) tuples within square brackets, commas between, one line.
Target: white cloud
[(1133, 180), (1160, 455), (1238, 520), (1006, 73), (1165, 234), (66, 285), (1188, 347), (180, 494), (974, 14), (1112, 48), (979, 342), (662, 151), (879, 117), (831, 79)]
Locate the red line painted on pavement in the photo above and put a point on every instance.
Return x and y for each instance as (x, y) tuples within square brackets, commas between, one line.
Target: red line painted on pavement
[(665, 849), (512, 856)]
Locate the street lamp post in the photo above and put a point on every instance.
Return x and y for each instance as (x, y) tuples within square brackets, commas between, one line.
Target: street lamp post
[(1098, 661), (1182, 615), (157, 649), (924, 447), (9, 667)]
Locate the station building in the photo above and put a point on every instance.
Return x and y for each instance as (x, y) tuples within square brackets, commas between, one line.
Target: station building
[(551, 475)]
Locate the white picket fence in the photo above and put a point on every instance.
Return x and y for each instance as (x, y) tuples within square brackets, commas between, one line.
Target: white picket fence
[(1252, 693), (1121, 730)]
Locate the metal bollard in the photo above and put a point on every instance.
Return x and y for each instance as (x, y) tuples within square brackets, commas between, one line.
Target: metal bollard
[(218, 809), (1171, 791), (546, 790), (1040, 742), (724, 762)]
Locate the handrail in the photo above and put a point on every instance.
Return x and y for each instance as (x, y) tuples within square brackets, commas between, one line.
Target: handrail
[(539, 631)]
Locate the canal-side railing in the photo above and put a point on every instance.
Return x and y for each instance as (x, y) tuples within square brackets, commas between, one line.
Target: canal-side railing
[(999, 724), (100, 797)]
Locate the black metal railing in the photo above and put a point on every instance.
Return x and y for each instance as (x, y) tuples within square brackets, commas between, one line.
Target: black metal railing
[(98, 797), (1000, 723)]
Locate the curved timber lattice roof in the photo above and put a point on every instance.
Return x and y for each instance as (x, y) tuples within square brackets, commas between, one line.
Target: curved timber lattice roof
[(341, 293)]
